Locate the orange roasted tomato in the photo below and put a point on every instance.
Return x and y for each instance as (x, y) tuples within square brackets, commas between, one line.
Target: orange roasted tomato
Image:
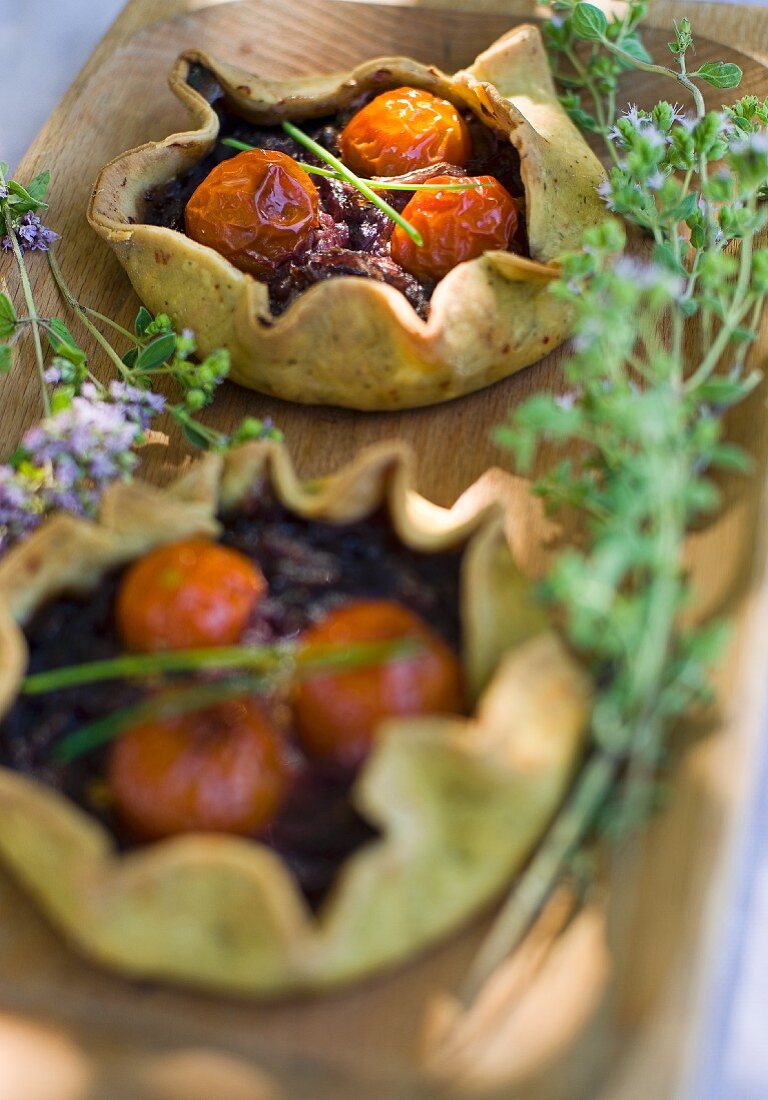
[(455, 226), (402, 130), (337, 713), (187, 595), (257, 209), (218, 769)]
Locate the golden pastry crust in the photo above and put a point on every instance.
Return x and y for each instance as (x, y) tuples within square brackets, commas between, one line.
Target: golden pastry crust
[(459, 803), (351, 341)]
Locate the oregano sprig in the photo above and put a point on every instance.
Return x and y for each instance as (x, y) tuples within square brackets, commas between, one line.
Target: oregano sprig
[(643, 424)]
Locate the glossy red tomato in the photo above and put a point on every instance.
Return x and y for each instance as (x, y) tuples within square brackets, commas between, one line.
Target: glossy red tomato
[(187, 595), (402, 130), (455, 226), (219, 769), (257, 209), (337, 713)]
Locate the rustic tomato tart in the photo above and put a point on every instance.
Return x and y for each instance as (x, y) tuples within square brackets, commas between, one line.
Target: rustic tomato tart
[(262, 228), (267, 736)]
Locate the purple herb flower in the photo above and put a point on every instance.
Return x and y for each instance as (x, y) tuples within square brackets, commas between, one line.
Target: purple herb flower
[(32, 235), (139, 405), (20, 505), (72, 456)]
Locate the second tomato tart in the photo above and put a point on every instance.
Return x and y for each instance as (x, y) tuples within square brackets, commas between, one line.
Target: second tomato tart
[(349, 726), (319, 296)]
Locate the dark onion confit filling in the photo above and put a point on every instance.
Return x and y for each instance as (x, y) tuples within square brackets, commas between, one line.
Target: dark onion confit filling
[(353, 237), (310, 567)]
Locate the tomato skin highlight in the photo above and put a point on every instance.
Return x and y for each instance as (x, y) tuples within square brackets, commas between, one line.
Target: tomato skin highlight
[(218, 769), (187, 595), (455, 226), (257, 209), (337, 714), (402, 130)]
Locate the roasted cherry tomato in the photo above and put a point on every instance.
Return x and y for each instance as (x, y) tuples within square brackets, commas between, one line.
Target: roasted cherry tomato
[(217, 769), (402, 130), (455, 226), (257, 209), (337, 713), (187, 595)]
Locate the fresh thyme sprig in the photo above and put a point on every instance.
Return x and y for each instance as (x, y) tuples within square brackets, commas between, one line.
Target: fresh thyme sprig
[(375, 185), (18, 212), (643, 424)]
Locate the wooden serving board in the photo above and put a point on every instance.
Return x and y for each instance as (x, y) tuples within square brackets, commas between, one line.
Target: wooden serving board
[(663, 907)]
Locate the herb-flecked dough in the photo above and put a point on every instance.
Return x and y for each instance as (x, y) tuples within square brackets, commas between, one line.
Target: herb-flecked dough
[(357, 342), (458, 803)]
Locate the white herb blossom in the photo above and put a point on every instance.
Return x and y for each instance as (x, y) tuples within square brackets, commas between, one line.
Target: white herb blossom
[(649, 276), (750, 144)]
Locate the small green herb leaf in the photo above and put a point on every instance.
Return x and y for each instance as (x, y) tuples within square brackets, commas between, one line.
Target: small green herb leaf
[(38, 187), (156, 353), (8, 318), (63, 342), (142, 322), (195, 434), (632, 45), (589, 22), (6, 358), (720, 74), (62, 398)]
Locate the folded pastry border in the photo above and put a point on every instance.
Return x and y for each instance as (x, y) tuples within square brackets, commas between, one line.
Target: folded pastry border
[(459, 803), (352, 341)]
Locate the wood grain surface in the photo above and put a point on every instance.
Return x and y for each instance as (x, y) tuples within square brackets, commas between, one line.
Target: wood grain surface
[(661, 917)]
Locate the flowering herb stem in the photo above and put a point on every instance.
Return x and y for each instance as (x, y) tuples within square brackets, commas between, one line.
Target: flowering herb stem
[(568, 831), (376, 185), (34, 320), (263, 659), (83, 317), (87, 437), (349, 177), (130, 336), (646, 421)]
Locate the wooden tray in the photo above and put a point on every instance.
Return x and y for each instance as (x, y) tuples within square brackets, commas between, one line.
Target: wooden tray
[(577, 1031)]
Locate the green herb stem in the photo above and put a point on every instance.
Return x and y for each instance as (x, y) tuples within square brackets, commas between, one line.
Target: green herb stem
[(174, 702), (129, 336), (262, 659), (376, 185), (141, 665), (263, 662), (741, 303), (544, 872), (350, 177), (660, 70), (34, 319), (81, 313)]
